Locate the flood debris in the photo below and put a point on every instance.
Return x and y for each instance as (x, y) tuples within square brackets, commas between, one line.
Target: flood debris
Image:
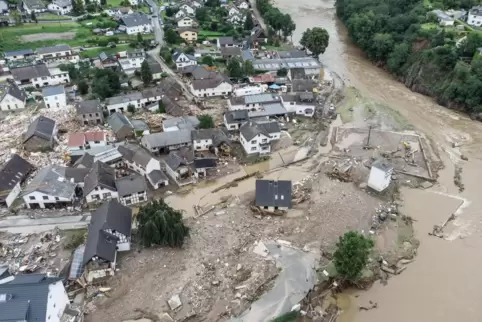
[(458, 178)]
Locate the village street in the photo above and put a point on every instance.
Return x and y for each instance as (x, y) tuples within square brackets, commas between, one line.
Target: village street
[(26, 225)]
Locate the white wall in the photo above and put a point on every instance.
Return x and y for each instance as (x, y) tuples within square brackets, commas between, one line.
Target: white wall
[(187, 8), (248, 90), (100, 192), (202, 145), (379, 180), (231, 126), (474, 20), (60, 10), (57, 301), (117, 107), (11, 103), (56, 101), (133, 199), (50, 80), (129, 63), (13, 194), (57, 54), (223, 89), (186, 22), (253, 146), (139, 29), (41, 201)]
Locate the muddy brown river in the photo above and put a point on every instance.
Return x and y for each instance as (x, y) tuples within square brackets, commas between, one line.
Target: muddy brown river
[(444, 282)]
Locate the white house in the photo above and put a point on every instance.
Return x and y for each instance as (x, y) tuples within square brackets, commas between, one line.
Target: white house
[(179, 166), (100, 183), (181, 13), (233, 11), (55, 97), (39, 76), (380, 175), (19, 54), (132, 61), (121, 103), (196, 4), (189, 9), (166, 141), (248, 90), (182, 60), (205, 139), (134, 2), (12, 174), (253, 102), (4, 10), (61, 7), (57, 53), (303, 104), (136, 23), (186, 22), (179, 123), (217, 85), (36, 6), (236, 19), (475, 16), (443, 18), (12, 97), (33, 297), (131, 189), (234, 119), (50, 188), (86, 140), (243, 5), (255, 137)]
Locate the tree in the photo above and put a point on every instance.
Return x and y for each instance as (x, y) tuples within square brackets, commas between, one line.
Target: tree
[(248, 23), (78, 7), (202, 14), (131, 108), (103, 2), (189, 50), (171, 36), (33, 16), (162, 107), (234, 68), (139, 38), (351, 255), (206, 121), (282, 72), (159, 224), (146, 73), (248, 68), (398, 57), (105, 83), (315, 40), (207, 60), (91, 8), (212, 3), (83, 87)]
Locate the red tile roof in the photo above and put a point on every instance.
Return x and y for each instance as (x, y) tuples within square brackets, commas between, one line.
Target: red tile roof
[(76, 139), (79, 139)]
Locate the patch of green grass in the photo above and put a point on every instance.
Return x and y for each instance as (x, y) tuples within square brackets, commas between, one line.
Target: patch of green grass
[(114, 3), (209, 33), (51, 16), (429, 26), (287, 317), (93, 53)]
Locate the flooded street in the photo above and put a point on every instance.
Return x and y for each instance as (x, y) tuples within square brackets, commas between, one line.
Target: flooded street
[(443, 283)]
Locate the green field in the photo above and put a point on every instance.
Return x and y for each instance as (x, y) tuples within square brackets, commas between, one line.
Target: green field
[(114, 3), (51, 16), (209, 33), (93, 53)]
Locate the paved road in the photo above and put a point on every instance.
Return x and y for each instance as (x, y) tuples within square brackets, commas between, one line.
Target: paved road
[(25, 225), (159, 35)]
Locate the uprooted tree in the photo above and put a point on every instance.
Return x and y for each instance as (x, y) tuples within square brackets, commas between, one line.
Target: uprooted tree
[(160, 224), (351, 255)]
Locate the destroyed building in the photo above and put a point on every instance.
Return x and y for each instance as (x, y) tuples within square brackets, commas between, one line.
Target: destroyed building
[(12, 174), (40, 135)]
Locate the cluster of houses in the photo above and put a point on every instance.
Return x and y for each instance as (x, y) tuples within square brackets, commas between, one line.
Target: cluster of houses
[(473, 17)]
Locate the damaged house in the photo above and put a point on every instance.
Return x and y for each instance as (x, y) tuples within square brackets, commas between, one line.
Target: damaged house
[(164, 142), (131, 189), (256, 137), (12, 174), (273, 195), (41, 135), (100, 183), (180, 167), (109, 231), (209, 139)]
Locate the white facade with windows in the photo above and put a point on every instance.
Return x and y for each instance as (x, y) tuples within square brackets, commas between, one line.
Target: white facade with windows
[(260, 144), (202, 144), (56, 101), (474, 17), (101, 193), (184, 60), (133, 198), (188, 9), (42, 199), (130, 64), (222, 89), (140, 29), (57, 301), (55, 78), (60, 7), (9, 102)]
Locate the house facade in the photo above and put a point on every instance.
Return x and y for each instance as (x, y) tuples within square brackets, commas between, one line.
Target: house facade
[(256, 137), (89, 112), (100, 183), (190, 10), (273, 195), (302, 104), (61, 7), (186, 22), (136, 23), (12, 97), (57, 53), (40, 135), (12, 174), (234, 119), (217, 85), (132, 61), (380, 175), (86, 140), (475, 16), (182, 60), (189, 34), (180, 168), (55, 97), (120, 104), (19, 54), (132, 189), (39, 76)]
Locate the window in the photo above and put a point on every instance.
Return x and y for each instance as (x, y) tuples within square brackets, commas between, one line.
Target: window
[(97, 142), (106, 195), (96, 114), (8, 106), (128, 202), (254, 142), (264, 140), (45, 197), (140, 193), (253, 148), (83, 115), (90, 115), (57, 198), (96, 188), (32, 197)]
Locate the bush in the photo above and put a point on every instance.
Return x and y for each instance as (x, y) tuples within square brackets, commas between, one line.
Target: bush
[(102, 43), (351, 255)]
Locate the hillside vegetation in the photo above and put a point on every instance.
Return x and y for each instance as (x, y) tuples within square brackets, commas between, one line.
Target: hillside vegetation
[(403, 37)]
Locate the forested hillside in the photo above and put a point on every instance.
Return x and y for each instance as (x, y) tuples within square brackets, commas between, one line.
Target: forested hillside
[(406, 39)]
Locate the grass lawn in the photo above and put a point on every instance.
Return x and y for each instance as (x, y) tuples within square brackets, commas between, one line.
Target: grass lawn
[(428, 26), (209, 33), (114, 3), (51, 16), (92, 53)]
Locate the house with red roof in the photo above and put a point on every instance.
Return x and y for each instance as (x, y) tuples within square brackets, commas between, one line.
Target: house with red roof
[(86, 140)]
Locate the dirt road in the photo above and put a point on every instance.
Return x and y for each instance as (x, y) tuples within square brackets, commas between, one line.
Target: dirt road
[(437, 287)]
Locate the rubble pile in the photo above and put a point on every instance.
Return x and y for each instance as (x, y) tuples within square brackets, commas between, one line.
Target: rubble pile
[(382, 214), (24, 255), (301, 190)]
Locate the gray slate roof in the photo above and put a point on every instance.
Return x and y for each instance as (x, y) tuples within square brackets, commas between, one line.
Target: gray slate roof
[(42, 127), (213, 81), (53, 90), (117, 121), (86, 160), (63, 3), (52, 181), (157, 176), (29, 72), (53, 49), (124, 98), (12, 89), (273, 193), (174, 161), (165, 139), (135, 19), (205, 163), (135, 153), (226, 40), (131, 184), (89, 106), (29, 298), (15, 170), (217, 135), (251, 129), (238, 116), (34, 4), (100, 175), (18, 53)]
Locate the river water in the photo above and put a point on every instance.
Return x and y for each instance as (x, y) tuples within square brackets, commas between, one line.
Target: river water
[(444, 282)]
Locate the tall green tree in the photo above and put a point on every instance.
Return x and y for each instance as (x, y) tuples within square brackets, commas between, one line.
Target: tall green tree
[(315, 40), (78, 7), (248, 23), (146, 73), (207, 60), (248, 68), (83, 87), (139, 38), (189, 50), (33, 16), (206, 121), (171, 36), (160, 224), (351, 255), (234, 68)]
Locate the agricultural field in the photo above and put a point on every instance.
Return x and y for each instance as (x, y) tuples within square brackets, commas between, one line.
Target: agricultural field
[(50, 16), (93, 53)]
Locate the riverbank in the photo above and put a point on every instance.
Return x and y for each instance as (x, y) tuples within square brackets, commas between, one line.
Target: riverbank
[(436, 287)]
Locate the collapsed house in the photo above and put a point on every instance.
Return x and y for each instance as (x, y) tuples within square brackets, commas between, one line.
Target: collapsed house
[(12, 174)]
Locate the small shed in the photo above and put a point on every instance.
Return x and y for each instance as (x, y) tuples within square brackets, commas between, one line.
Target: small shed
[(380, 175)]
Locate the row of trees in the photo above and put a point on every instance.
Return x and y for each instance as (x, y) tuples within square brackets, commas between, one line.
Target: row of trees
[(426, 59), (281, 23)]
